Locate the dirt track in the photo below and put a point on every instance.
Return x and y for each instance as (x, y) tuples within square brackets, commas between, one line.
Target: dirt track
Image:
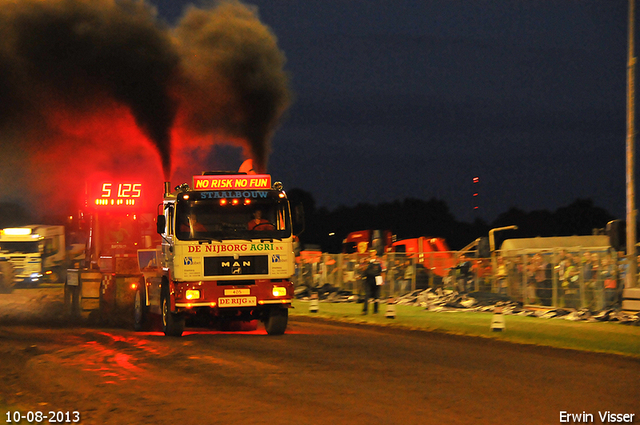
[(318, 373)]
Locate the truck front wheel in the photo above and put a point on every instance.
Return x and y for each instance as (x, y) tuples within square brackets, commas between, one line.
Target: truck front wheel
[(140, 311), (172, 324), (276, 323), (6, 277)]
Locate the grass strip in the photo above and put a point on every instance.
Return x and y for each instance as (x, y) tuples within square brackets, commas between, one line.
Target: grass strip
[(603, 337)]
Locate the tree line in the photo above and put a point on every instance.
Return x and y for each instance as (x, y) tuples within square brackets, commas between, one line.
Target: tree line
[(411, 218), (408, 218)]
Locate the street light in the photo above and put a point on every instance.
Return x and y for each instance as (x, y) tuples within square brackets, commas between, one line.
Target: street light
[(631, 194), (492, 242)]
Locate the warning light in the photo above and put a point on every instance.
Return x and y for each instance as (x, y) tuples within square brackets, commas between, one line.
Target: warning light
[(476, 179), (192, 294), (17, 231), (279, 291)]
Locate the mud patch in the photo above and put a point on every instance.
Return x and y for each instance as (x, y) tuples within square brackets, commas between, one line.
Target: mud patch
[(32, 306)]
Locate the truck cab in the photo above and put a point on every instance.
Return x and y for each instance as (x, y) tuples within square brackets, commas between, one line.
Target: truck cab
[(227, 251), (37, 252)]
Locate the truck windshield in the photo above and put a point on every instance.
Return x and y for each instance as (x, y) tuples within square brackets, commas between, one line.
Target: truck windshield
[(30, 247), (233, 218)]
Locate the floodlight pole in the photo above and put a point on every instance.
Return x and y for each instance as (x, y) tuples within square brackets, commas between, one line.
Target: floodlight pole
[(492, 246), (632, 265)]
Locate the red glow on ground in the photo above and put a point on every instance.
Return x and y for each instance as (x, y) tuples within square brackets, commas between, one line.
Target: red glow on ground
[(196, 331)]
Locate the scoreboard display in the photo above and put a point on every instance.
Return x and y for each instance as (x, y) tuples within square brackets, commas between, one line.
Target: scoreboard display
[(116, 194)]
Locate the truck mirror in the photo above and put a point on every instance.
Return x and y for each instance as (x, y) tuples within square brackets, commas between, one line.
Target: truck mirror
[(298, 219), (161, 223)]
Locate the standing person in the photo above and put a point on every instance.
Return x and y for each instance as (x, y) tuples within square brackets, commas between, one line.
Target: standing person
[(502, 283), (372, 277), (464, 270), (407, 277), (543, 280), (608, 274), (589, 277), (571, 284)]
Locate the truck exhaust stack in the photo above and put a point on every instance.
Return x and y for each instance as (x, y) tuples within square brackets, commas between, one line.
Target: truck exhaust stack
[(167, 188)]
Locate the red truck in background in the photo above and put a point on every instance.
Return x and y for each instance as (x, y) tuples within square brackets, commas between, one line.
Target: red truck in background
[(432, 253), (364, 240), (116, 220)]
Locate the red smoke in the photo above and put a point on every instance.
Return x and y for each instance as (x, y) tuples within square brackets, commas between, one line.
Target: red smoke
[(102, 86)]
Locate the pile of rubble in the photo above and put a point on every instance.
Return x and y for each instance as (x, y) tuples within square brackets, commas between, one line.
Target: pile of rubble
[(451, 301)]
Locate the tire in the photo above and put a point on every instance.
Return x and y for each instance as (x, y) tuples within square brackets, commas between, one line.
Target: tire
[(172, 324), (276, 323), (67, 300), (141, 319), (6, 277), (72, 300)]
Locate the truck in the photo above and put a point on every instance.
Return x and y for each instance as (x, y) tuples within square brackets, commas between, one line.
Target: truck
[(431, 253), (362, 241), (226, 256), (117, 218), (220, 255), (6, 276), (37, 252)]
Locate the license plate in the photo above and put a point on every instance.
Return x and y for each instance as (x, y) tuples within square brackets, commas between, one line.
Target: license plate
[(237, 302), (238, 291)]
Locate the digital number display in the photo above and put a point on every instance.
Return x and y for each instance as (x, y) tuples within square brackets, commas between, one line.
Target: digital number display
[(118, 194)]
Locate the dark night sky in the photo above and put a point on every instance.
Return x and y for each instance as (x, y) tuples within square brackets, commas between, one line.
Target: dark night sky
[(407, 98)]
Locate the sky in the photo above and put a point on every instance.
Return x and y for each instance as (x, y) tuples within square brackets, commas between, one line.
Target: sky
[(389, 99), (406, 98)]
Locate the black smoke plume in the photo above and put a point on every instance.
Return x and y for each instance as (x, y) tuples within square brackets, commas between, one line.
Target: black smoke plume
[(233, 75), (76, 54), (217, 75)]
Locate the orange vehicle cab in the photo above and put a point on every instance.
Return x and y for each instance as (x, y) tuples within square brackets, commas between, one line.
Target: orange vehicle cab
[(432, 253)]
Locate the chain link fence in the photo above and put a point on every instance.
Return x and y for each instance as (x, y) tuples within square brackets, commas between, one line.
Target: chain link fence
[(562, 279)]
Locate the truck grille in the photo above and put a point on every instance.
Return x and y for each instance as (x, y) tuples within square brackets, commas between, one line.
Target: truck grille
[(236, 282), (241, 266)]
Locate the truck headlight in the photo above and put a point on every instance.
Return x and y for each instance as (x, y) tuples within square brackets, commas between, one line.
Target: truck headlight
[(279, 291)]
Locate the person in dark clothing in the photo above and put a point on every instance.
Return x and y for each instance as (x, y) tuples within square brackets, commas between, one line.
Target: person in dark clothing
[(463, 274), (372, 273)]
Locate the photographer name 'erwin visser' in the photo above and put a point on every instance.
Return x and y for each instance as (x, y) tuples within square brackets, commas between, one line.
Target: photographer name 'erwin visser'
[(605, 417)]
